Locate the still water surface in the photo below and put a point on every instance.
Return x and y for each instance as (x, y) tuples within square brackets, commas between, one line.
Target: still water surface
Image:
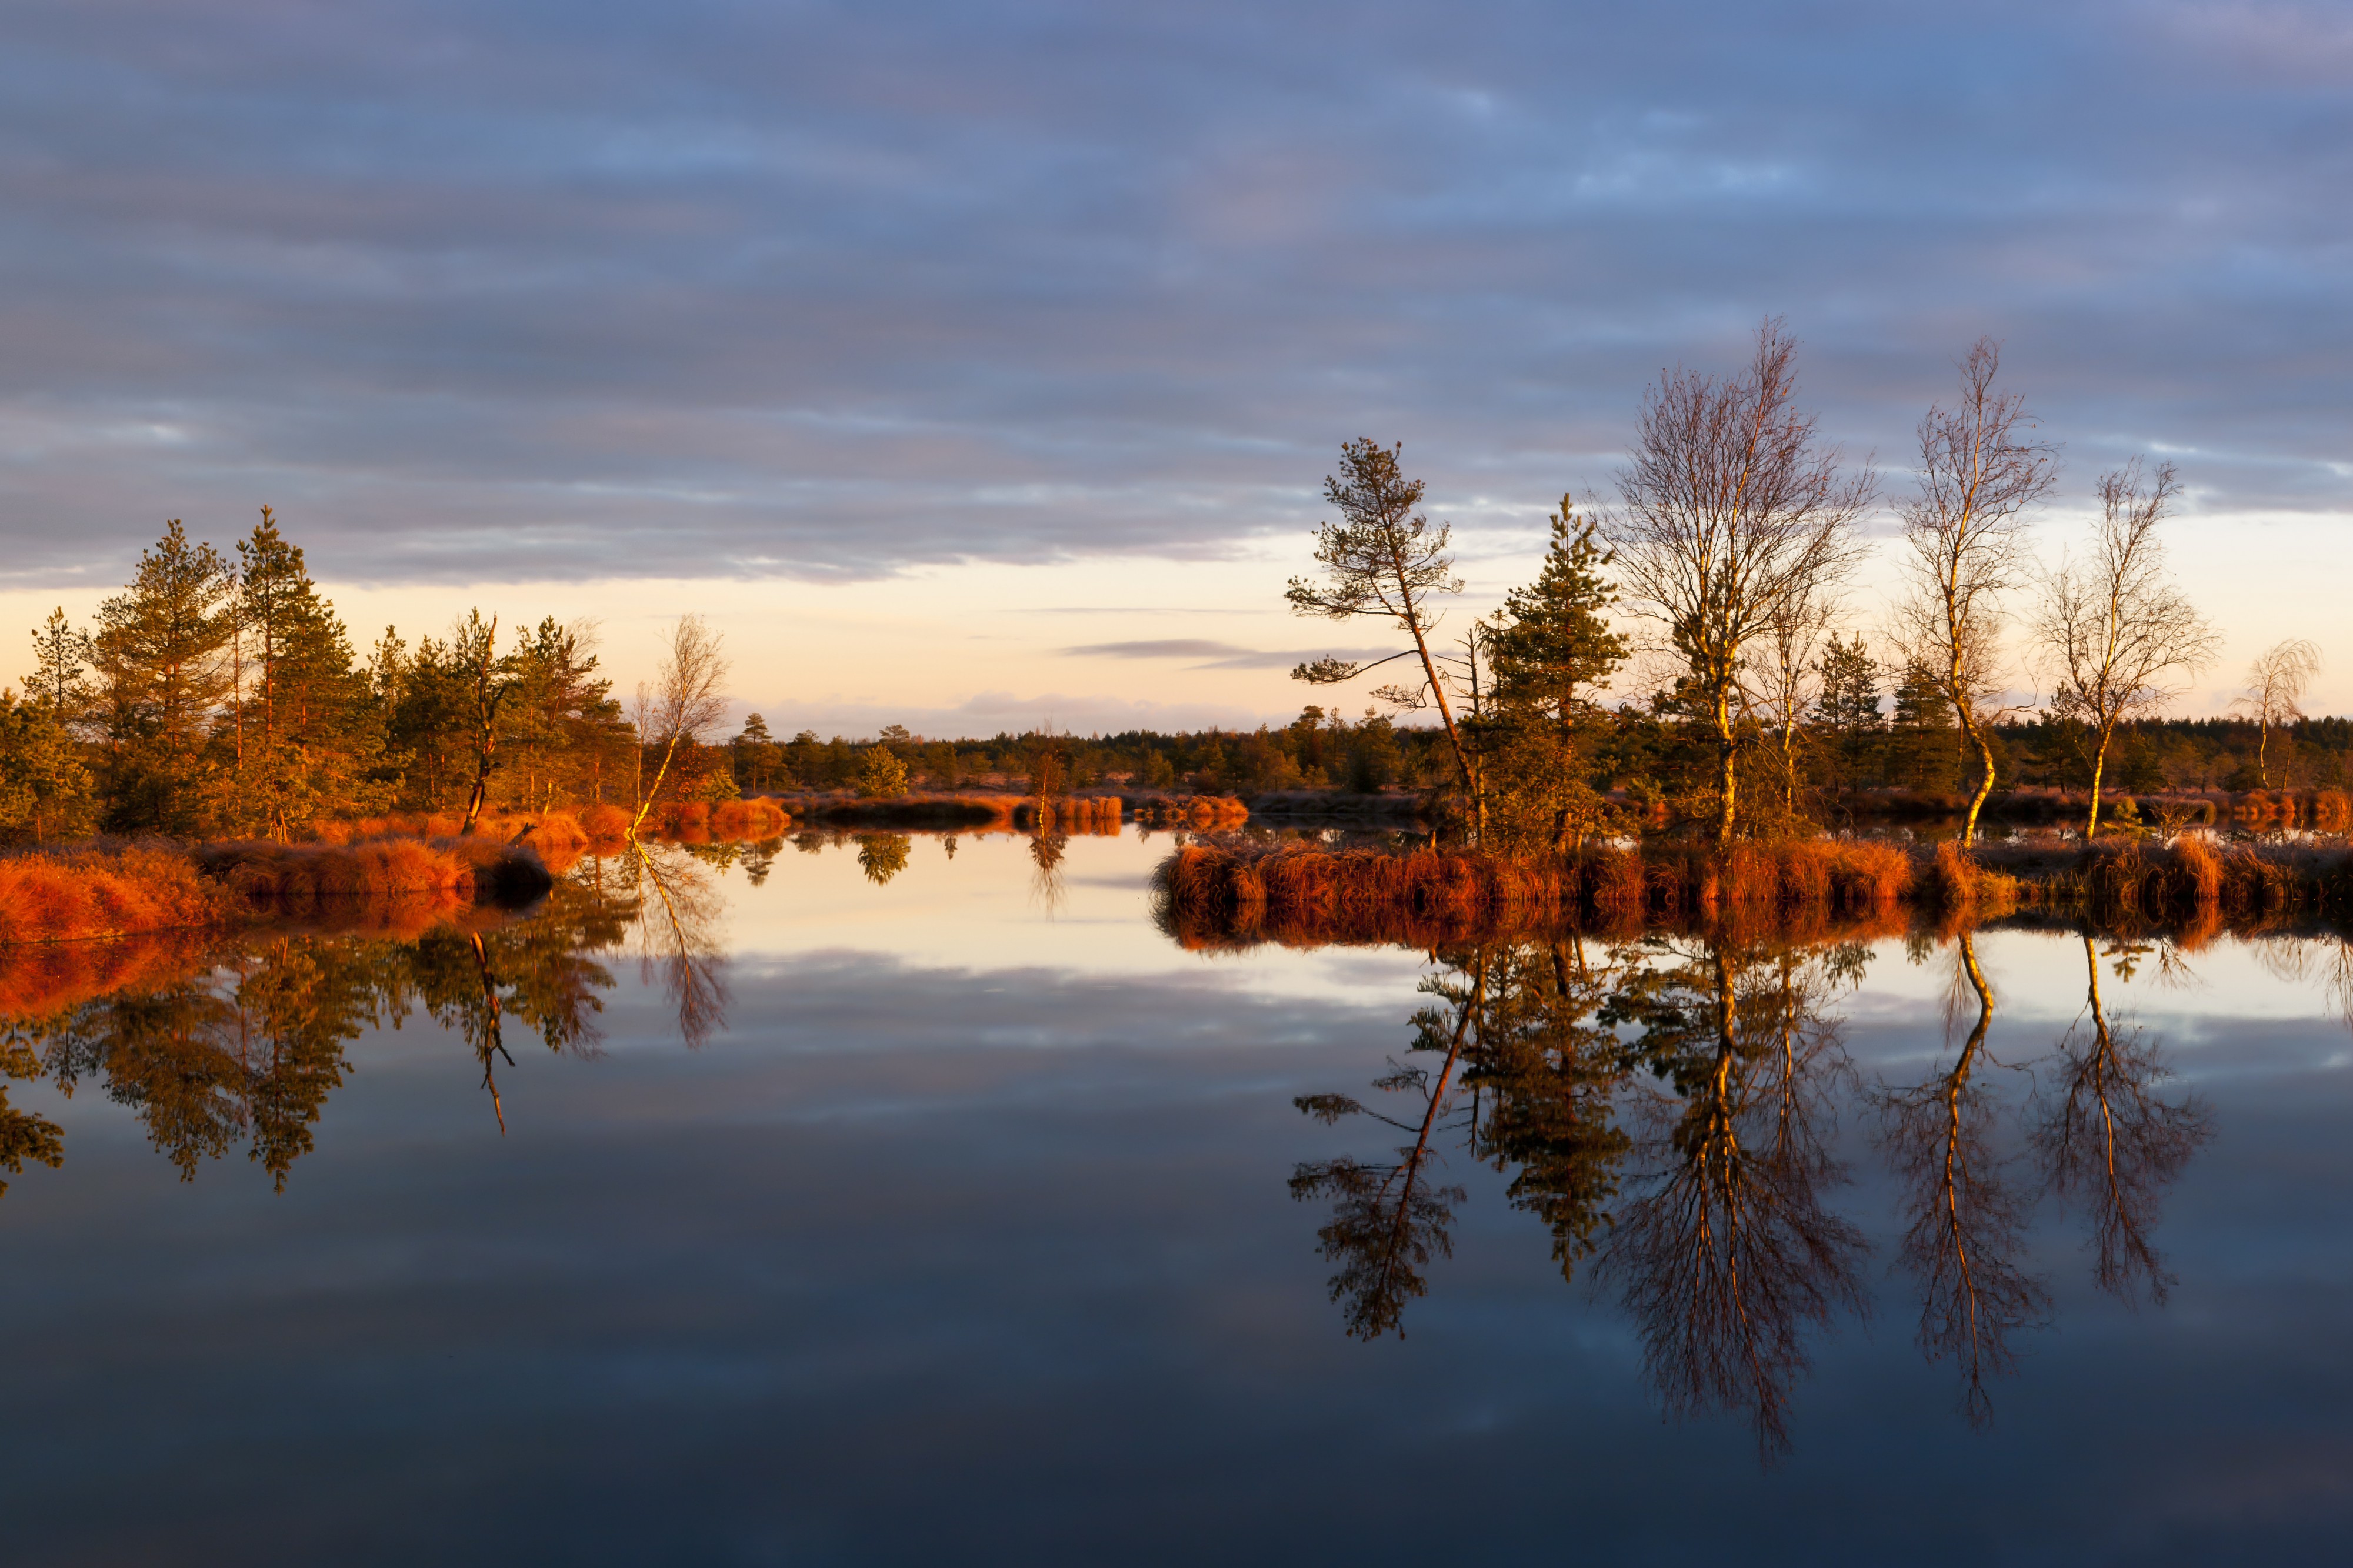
[(955, 1213)]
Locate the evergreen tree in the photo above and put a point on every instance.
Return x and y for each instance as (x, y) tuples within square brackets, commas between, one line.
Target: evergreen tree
[(1924, 744), (163, 658), (485, 683), (1551, 649), (1551, 654), (759, 761), (45, 792), (303, 727), (428, 723), (1848, 710), (60, 679), (566, 729)]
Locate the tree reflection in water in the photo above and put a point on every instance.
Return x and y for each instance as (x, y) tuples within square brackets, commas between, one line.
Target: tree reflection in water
[(679, 938), (1388, 1219), (2110, 1141), (1726, 1252), (1965, 1213), (1046, 849), (883, 856), (1545, 1074), (1668, 1110), (210, 1053)]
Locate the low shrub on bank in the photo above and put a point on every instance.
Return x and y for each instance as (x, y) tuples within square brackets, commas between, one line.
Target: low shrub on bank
[(1210, 892), (101, 892), (120, 890)]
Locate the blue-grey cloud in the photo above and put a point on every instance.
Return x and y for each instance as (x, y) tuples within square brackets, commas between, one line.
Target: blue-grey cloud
[(516, 288), (1209, 654)]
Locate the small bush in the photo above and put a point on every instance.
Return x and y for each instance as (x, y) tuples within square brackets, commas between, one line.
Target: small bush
[(882, 775)]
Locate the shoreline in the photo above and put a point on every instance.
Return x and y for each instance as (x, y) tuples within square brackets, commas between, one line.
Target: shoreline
[(1228, 895)]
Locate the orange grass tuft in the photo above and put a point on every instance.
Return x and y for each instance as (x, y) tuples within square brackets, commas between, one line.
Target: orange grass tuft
[(1215, 894), (77, 896)]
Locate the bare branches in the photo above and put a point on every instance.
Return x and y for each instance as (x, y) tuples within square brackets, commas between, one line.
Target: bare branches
[(1726, 1249), (1781, 679), (686, 700), (1978, 473), (2276, 682), (1732, 513), (2113, 626)]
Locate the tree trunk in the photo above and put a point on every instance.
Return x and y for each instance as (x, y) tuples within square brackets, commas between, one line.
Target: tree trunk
[(2263, 744), (2099, 767), (488, 742), (1728, 785), (1985, 789), (1446, 717), (646, 803), (1789, 766)]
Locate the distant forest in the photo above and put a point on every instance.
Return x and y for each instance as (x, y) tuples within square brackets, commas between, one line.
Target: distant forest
[(1644, 750)]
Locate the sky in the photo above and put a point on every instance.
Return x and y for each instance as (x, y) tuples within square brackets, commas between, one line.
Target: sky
[(977, 366)]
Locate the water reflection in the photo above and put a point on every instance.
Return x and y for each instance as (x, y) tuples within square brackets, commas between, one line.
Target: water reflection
[(1727, 1252), (1965, 1206), (1389, 1219), (2111, 1141), (883, 856), (1045, 850), (1668, 1107), (681, 938), (212, 1051), (1679, 1112)]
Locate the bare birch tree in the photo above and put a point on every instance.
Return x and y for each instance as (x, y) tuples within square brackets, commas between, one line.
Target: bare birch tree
[(2113, 626), (685, 701), (1781, 679), (2276, 682), (1732, 514), (1978, 473), (1381, 559)]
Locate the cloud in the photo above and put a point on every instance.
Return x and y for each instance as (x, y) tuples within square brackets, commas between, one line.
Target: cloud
[(1211, 655), (510, 290)]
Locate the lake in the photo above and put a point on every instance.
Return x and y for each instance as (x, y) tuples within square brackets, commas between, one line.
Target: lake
[(918, 1199)]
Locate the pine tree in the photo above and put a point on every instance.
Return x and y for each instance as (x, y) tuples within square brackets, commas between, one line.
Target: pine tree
[(880, 774), (308, 733), (486, 682), (1848, 710), (757, 758), (163, 658), (1552, 653), (45, 792), (427, 723), (1924, 744), (60, 679), (1551, 649), (564, 728)]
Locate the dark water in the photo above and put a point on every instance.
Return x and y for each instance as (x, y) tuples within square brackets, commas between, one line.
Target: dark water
[(951, 1218)]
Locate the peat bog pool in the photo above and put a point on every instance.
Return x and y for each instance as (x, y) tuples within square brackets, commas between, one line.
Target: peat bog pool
[(916, 1198)]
